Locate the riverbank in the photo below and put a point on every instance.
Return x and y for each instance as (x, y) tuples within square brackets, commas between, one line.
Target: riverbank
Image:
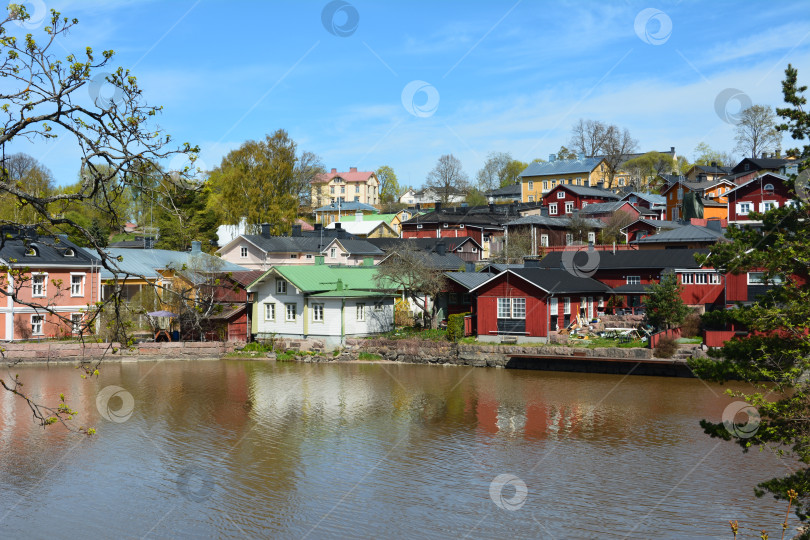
[(73, 352)]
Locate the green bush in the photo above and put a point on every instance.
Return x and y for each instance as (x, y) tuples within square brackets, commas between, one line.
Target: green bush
[(255, 346), (369, 357), (455, 326)]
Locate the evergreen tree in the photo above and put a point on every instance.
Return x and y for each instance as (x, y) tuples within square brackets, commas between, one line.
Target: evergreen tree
[(664, 306)]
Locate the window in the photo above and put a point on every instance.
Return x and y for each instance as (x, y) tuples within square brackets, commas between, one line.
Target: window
[(76, 323), (76, 282), (317, 312), (545, 186), (566, 306), (591, 237), (569, 239), (553, 308), (379, 307), (569, 207), (474, 250), (36, 324), (466, 299), (531, 185), (561, 194), (270, 311), (343, 189), (290, 312), (531, 198), (361, 312), (680, 193), (687, 279), (243, 252), (714, 279), (444, 225), (758, 278), (744, 208), (281, 286), (293, 255), (634, 280), (31, 252), (70, 253), (621, 181), (768, 188), (418, 225), (584, 204), (768, 205), (511, 308), (552, 209), (333, 252), (453, 298), (544, 240), (700, 279), (332, 191), (309, 255), (579, 181), (38, 285), (357, 188)]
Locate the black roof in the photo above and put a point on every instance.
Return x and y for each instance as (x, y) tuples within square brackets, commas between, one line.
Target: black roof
[(653, 259), (560, 281), (758, 164), (687, 233), (422, 244), (495, 215), (32, 250), (470, 280), (506, 191), (584, 191), (358, 247)]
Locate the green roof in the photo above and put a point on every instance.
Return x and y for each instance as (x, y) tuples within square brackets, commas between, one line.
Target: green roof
[(351, 294), (388, 218), (316, 278)]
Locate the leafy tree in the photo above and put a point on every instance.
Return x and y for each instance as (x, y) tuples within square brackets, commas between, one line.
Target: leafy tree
[(490, 175), (595, 138), (191, 218), (257, 182), (612, 231), (645, 169), (682, 165), (114, 137), (447, 178), (565, 154), (775, 358), (510, 173), (27, 173), (475, 198), (308, 166), (389, 185), (516, 246), (579, 227), (100, 235), (756, 131), (705, 155), (664, 306)]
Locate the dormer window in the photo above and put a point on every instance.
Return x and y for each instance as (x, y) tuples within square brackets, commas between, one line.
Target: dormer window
[(70, 253), (768, 188), (31, 251)]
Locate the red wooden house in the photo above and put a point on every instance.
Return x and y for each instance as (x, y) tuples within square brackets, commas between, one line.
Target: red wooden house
[(759, 194), (564, 199), (230, 320), (531, 302)]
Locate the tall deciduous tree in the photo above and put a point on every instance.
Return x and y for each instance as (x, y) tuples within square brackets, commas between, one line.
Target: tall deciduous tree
[(42, 99), (447, 178), (389, 185), (565, 154), (706, 155), (646, 168), (490, 175), (257, 182), (775, 358), (594, 138), (756, 131), (308, 166)]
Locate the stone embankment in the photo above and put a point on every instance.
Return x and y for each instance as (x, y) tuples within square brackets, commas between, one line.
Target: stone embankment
[(56, 351)]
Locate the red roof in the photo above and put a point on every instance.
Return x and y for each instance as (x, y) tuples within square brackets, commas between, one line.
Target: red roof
[(352, 176), (304, 225)]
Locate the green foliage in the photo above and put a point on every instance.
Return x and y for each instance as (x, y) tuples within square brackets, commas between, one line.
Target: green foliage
[(664, 306), (564, 154), (369, 357), (192, 219), (389, 186), (775, 358), (256, 346), (455, 326), (475, 198), (705, 155)]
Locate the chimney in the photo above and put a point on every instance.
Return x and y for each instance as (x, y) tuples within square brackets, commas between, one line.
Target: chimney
[(469, 266), (296, 230), (714, 164), (672, 150), (438, 206), (318, 227), (600, 184), (352, 169), (338, 226), (441, 248), (491, 207), (778, 153), (265, 230), (764, 155), (552, 157), (196, 246), (334, 170)]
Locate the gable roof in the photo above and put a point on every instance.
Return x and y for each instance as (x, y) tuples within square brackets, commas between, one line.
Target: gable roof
[(548, 221), (424, 244), (760, 178), (687, 233), (321, 278), (352, 176), (361, 228), (469, 280), (601, 208), (507, 191), (148, 262), (49, 251), (347, 206), (759, 164), (652, 198), (583, 191), (551, 168), (354, 246), (700, 186), (635, 259), (657, 223), (553, 281)]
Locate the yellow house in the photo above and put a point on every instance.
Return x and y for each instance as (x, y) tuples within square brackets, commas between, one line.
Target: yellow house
[(540, 178), (353, 186)]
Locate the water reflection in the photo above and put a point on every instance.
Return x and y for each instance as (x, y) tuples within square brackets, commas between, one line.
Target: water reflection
[(236, 449)]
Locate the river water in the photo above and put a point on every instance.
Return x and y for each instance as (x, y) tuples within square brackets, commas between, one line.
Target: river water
[(235, 449)]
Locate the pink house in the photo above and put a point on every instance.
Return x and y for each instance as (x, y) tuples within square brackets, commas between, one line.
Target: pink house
[(49, 283)]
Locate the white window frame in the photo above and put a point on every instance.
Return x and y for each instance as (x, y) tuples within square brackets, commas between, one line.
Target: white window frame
[(531, 185), (379, 306), (269, 311), (553, 308), (504, 308), (633, 280), (41, 287), (332, 253), (243, 252), (543, 240), (561, 194), (592, 237), (714, 279), (80, 291), (569, 207), (700, 278), (531, 198), (763, 206), (281, 286), (290, 312), (518, 308), (552, 208), (569, 239), (37, 325), (748, 208), (567, 305), (317, 312), (687, 278), (76, 320), (774, 280), (360, 311), (293, 255)]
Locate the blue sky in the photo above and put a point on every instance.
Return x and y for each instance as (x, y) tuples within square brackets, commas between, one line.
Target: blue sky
[(497, 76)]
